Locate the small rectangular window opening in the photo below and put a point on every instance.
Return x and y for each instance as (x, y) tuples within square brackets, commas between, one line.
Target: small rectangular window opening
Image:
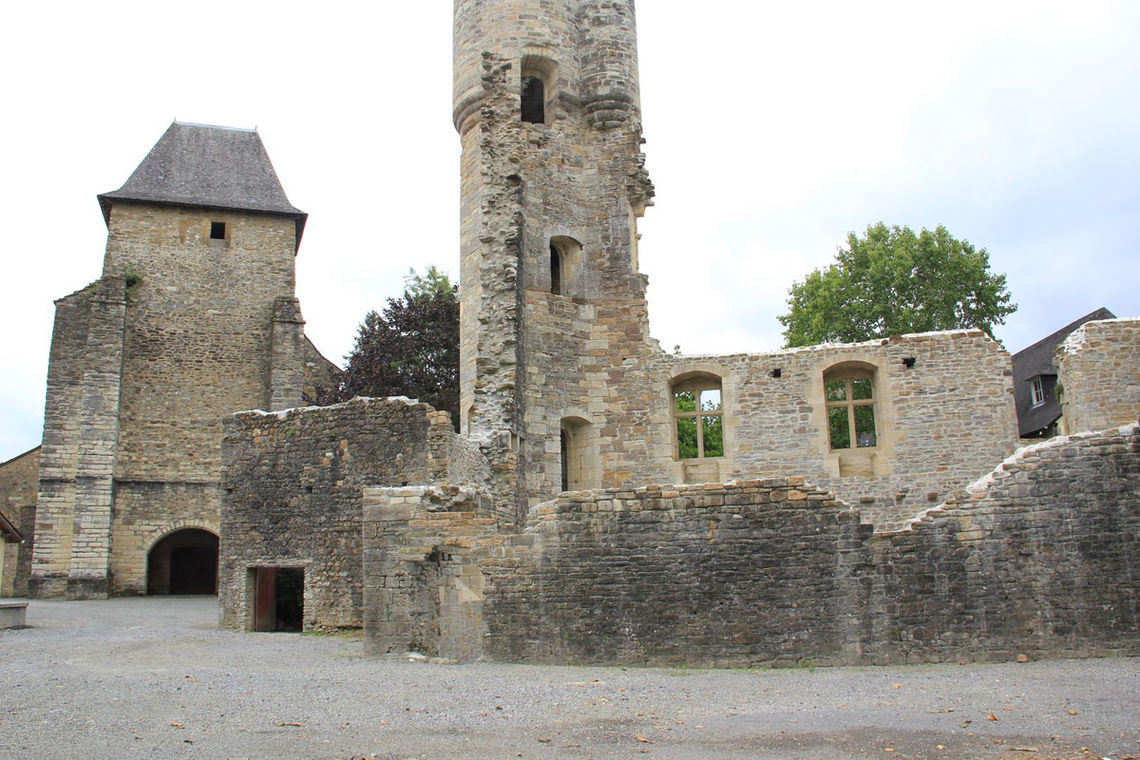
[(217, 230), (533, 100), (1038, 392)]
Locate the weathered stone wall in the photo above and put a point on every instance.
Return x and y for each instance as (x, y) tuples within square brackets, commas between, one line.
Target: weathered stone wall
[(1038, 559), (181, 331), (423, 588), (19, 484), (199, 332), (557, 364), (51, 559), (81, 428), (1098, 366), (944, 415), (293, 494)]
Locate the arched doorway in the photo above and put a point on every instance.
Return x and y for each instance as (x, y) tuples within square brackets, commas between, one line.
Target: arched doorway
[(184, 562)]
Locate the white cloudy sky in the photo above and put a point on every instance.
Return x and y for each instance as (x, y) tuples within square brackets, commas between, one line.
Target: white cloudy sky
[(772, 130)]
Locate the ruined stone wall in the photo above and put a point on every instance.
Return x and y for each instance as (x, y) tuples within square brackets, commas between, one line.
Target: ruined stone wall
[(293, 494), (81, 428), (19, 484), (60, 449), (943, 406), (1037, 559), (321, 376), (732, 575), (423, 588), (1040, 560), (1098, 366)]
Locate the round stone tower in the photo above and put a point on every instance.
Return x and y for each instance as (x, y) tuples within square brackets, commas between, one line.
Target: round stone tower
[(554, 324)]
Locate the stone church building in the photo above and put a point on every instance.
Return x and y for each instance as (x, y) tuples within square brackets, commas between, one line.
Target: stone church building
[(194, 318), (604, 501)]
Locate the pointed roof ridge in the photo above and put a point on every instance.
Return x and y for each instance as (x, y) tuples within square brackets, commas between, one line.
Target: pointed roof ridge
[(207, 166), (203, 125), (1058, 335)]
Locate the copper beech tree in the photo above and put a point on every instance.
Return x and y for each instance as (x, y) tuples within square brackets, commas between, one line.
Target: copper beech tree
[(412, 348)]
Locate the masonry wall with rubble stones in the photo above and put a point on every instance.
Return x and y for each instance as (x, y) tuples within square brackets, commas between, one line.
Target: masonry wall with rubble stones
[(293, 494), (533, 360), (944, 415), (181, 331), (1098, 366), (423, 587), (1039, 559), (19, 485), (543, 371)]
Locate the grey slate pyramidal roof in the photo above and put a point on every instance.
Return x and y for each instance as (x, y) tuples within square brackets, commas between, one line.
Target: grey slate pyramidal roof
[(207, 167)]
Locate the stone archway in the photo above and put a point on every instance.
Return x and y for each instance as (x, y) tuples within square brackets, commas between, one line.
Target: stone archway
[(183, 562)]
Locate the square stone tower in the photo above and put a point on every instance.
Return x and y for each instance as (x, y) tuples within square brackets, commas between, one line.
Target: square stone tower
[(193, 318), (554, 323)]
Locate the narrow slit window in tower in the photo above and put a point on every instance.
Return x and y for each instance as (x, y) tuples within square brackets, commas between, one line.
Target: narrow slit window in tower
[(533, 100), (555, 270), (565, 461)]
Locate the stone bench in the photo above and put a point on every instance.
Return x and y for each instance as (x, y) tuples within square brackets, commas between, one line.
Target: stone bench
[(13, 613)]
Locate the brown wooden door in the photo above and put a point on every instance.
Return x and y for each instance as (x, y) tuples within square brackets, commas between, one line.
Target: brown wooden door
[(265, 599)]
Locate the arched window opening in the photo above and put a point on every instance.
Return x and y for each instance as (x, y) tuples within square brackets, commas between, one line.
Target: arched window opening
[(533, 100), (850, 395), (698, 417), (566, 275), (184, 562)]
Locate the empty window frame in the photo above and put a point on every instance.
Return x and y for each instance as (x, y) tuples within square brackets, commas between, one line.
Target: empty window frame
[(555, 269), (533, 100), (698, 417), (850, 408), (566, 273)]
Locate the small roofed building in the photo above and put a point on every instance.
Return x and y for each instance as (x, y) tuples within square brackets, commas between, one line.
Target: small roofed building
[(1035, 381), (194, 318), (18, 485)]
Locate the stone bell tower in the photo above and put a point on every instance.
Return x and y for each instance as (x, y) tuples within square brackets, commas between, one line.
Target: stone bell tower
[(554, 323)]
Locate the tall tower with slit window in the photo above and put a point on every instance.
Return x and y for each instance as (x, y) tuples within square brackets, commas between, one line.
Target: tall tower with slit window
[(555, 336)]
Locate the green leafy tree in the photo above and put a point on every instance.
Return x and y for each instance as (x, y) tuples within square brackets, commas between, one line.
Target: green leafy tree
[(412, 348), (893, 281)]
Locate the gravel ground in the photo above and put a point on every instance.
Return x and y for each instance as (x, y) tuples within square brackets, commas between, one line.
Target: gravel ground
[(155, 678)]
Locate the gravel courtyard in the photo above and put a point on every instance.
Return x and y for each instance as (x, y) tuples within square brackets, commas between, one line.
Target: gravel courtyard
[(154, 678)]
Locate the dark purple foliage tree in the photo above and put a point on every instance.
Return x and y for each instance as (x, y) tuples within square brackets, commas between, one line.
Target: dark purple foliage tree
[(412, 349)]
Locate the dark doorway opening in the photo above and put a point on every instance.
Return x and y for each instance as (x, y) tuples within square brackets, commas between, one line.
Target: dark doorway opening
[(278, 598), (184, 562)]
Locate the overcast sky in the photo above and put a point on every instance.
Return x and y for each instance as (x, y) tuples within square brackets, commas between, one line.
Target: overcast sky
[(772, 129)]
